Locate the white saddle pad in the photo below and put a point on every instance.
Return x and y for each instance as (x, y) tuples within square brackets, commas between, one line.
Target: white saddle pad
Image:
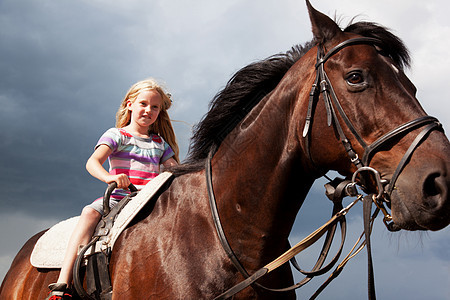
[(50, 249)]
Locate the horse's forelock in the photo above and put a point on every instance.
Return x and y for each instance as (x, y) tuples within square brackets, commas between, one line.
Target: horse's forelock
[(392, 45)]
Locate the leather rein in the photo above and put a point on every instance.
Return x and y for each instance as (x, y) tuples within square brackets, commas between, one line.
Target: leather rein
[(336, 190)]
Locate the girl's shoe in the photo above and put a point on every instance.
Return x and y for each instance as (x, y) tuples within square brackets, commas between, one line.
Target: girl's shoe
[(58, 291)]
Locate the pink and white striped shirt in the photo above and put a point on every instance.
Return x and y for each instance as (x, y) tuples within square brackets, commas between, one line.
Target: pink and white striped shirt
[(139, 158)]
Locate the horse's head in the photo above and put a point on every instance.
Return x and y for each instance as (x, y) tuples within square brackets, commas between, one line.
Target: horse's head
[(363, 93)]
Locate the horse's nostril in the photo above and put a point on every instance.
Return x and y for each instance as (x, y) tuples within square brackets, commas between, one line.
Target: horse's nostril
[(435, 190), (431, 187)]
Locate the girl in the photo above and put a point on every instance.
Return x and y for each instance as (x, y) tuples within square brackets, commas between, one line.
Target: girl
[(143, 140)]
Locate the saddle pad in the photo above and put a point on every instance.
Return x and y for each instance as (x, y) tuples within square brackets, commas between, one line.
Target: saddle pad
[(50, 249)]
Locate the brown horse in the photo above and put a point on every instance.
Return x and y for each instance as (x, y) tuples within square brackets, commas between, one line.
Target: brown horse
[(265, 162)]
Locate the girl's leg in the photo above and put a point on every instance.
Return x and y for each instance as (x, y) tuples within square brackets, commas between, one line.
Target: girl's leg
[(81, 236)]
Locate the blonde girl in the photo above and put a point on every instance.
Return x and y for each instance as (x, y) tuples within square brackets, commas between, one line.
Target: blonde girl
[(142, 140)]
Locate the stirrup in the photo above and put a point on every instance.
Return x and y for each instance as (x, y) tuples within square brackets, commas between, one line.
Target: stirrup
[(58, 291)]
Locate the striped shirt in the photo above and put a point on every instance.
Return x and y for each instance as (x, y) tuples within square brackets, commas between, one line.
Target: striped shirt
[(139, 158)]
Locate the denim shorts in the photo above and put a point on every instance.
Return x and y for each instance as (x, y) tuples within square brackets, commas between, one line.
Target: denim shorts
[(98, 204)]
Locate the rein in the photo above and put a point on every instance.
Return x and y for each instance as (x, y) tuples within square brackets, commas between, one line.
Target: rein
[(336, 194), (322, 85), (329, 228)]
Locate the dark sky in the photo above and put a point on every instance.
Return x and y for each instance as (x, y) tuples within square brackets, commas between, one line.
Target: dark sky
[(65, 66)]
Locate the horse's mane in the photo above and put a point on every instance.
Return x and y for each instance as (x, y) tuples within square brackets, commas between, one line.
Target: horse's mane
[(242, 92), (252, 83)]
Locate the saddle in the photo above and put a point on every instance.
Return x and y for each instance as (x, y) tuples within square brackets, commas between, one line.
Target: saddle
[(93, 258)]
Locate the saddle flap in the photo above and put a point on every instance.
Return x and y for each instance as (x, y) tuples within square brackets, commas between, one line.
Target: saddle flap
[(50, 249)]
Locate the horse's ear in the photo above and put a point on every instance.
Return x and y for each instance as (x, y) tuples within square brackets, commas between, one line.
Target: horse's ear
[(324, 29)]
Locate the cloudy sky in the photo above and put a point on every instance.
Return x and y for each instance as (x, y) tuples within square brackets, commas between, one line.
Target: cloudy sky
[(65, 66)]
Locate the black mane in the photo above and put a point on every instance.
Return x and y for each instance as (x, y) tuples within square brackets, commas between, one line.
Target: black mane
[(250, 84), (392, 46), (243, 91)]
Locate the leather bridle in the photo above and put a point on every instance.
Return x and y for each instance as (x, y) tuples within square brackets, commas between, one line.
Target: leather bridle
[(322, 85)]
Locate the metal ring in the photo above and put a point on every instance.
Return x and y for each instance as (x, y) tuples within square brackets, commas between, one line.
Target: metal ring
[(377, 179)]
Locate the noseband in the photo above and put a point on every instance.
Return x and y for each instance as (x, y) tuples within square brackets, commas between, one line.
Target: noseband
[(322, 85)]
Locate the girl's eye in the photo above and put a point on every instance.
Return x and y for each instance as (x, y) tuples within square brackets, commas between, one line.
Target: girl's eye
[(355, 78)]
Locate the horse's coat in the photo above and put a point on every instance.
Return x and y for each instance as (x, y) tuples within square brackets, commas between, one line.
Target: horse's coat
[(262, 172)]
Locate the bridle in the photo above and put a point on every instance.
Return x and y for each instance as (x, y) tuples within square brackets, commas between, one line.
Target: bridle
[(322, 85)]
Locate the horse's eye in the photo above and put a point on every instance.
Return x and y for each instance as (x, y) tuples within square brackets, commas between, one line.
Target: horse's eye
[(355, 78)]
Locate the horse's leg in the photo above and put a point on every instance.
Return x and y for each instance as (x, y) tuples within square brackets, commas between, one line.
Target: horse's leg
[(23, 281)]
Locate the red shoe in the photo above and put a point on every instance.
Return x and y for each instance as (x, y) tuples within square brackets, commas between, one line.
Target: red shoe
[(58, 291)]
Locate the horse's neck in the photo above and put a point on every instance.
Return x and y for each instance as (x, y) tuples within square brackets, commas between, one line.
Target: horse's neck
[(258, 178)]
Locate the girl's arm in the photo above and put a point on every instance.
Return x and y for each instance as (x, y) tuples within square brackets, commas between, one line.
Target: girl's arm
[(94, 166)]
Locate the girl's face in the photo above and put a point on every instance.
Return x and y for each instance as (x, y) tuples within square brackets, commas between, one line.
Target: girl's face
[(145, 109)]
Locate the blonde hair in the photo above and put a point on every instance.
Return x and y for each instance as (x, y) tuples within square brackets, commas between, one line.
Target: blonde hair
[(163, 125)]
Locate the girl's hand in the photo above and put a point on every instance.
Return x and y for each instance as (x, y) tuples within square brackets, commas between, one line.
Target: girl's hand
[(122, 180)]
